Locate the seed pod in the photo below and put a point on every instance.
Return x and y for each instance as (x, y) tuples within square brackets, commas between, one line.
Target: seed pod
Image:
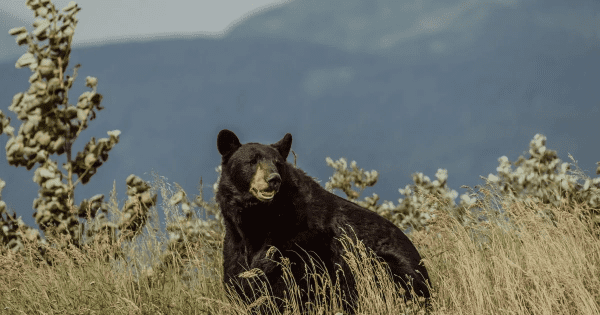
[(42, 11), (46, 67)]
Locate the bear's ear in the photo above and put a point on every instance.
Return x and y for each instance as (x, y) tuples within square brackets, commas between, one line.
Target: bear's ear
[(284, 145), (227, 142)]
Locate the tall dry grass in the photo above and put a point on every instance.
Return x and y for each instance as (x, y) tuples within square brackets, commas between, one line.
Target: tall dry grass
[(527, 266)]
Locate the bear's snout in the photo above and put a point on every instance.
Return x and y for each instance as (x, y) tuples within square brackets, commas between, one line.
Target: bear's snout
[(274, 181), (266, 182)]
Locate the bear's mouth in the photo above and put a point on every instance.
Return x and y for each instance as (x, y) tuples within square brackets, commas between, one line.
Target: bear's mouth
[(263, 195)]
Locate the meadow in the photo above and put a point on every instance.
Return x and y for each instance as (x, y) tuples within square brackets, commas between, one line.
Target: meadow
[(531, 266)]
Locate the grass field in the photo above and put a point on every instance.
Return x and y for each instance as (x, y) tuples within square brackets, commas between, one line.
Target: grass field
[(531, 266)]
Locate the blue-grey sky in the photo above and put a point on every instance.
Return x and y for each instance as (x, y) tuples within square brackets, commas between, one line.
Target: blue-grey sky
[(102, 22), (131, 20), (398, 86)]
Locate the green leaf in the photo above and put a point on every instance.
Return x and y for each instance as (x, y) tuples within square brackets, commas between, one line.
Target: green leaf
[(42, 27), (90, 159), (82, 114), (43, 138), (16, 100), (33, 4), (37, 22), (34, 77), (53, 84), (58, 144), (25, 60), (33, 66), (22, 39), (70, 6), (17, 30)]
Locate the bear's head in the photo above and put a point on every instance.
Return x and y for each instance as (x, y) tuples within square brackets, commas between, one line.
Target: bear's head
[(253, 167)]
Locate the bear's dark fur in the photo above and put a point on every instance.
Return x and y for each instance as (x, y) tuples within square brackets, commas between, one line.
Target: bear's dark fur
[(265, 201)]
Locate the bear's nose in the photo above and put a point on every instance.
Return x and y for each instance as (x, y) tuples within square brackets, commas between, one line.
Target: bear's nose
[(274, 181)]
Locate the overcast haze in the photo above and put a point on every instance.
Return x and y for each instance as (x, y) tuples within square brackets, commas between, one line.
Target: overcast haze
[(398, 86), (106, 21)]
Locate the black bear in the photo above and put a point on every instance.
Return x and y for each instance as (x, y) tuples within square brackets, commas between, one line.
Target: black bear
[(265, 201)]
